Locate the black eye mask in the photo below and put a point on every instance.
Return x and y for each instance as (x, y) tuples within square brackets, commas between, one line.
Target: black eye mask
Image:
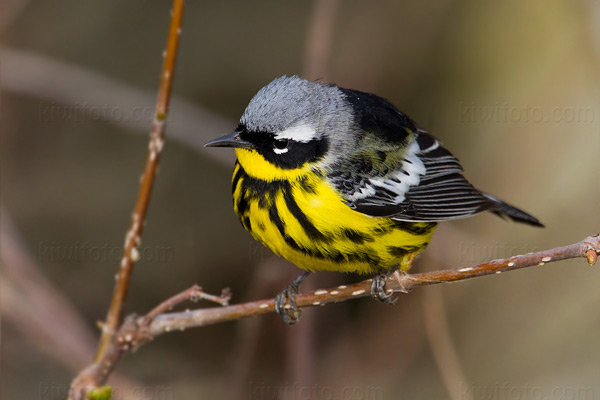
[(285, 153)]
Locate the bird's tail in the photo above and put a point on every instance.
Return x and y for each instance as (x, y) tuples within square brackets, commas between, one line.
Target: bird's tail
[(505, 210)]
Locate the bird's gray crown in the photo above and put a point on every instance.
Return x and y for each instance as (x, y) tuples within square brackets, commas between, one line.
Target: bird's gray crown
[(289, 102)]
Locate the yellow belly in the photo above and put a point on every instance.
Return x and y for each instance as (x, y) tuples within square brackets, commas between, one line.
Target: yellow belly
[(302, 218)]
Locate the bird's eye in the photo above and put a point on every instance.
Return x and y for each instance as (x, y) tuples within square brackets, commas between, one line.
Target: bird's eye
[(280, 146)]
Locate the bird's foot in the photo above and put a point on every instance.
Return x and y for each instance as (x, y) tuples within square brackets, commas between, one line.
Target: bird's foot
[(378, 291), (285, 302)]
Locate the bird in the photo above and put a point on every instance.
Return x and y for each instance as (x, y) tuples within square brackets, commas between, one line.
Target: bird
[(336, 179)]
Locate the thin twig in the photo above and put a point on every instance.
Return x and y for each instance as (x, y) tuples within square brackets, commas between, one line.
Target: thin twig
[(440, 340), (300, 345), (36, 303), (245, 346), (319, 39), (194, 293), (157, 133), (587, 248), (60, 86), (136, 330), (30, 303)]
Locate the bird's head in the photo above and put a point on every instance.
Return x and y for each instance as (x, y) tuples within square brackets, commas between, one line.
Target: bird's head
[(290, 124)]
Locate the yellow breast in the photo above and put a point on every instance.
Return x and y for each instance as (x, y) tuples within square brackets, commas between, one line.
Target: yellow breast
[(300, 216)]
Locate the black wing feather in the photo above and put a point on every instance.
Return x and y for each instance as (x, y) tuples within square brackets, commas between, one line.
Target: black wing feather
[(426, 186), (442, 193), (443, 197)]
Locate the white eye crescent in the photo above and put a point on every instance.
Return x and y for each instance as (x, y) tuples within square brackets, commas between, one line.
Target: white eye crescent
[(280, 146)]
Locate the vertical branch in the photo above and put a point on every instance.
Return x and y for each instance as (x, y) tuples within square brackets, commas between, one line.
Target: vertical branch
[(300, 349), (157, 134), (320, 38), (440, 340)]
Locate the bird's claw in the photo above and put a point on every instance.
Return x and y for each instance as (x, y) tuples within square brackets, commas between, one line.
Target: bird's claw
[(285, 305), (378, 291), (285, 302)]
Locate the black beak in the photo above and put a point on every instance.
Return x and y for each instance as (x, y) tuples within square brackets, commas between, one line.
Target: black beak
[(231, 140)]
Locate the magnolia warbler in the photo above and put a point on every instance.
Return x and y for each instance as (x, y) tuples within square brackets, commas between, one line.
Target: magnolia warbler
[(340, 180)]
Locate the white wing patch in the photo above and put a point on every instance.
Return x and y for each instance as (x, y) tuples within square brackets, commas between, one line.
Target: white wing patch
[(362, 192), (300, 133), (396, 184), (400, 181)]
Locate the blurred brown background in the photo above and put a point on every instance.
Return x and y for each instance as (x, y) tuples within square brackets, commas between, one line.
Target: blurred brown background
[(512, 88)]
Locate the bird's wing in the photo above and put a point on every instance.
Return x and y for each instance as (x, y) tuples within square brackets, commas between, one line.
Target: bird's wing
[(427, 186)]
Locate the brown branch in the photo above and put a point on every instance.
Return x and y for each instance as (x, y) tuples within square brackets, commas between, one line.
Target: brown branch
[(157, 133), (58, 84), (194, 293), (319, 39), (588, 248), (444, 353), (300, 349), (136, 330), (31, 302)]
